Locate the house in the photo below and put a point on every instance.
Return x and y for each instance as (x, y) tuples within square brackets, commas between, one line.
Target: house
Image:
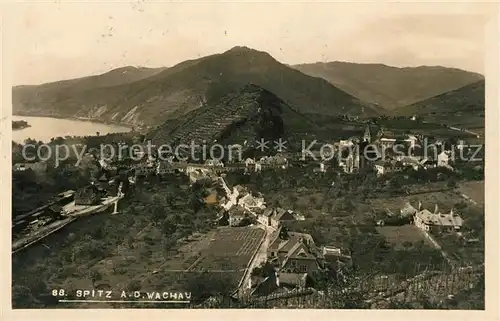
[(412, 140), (278, 280), (408, 210), (443, 159), (386, 167), (264, 218), (351, 163), (382, 167), (236, 215), (427, 163), (428, 221), (321, 168), (293, 252), (329, 250), (409, 161), (38, 167), (333, 255), (389, 140), (276, 160), (250, 202), (274, 217), (104, 164), (249, 162), (89, 195), (164, 168), (214, 162), (345, 143), (298, 216), (144, 169), (281, 215)]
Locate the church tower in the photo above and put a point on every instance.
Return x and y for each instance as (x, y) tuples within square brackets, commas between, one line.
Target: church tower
[(367, 136)]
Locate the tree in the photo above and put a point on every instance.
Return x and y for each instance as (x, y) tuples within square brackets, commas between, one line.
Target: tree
[(22, 297), (133, 285), (208, 284), (95, 276)]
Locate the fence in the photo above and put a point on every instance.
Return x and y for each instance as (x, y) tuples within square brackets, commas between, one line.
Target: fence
[(375, 293)]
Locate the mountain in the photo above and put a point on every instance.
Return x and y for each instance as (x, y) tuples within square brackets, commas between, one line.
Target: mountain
[(463, 106), (112, 78), (390, 87), (173, 92), (245, 115), (248, 115)]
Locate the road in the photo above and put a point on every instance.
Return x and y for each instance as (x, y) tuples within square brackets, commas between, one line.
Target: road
[(259, 258)]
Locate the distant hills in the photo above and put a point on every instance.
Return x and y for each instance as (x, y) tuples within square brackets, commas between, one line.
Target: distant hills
[(464, 106), (390, 87), (148, 97)]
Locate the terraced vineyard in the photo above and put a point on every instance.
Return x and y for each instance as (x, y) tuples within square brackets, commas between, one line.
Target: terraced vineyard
[(230, 249), (252, 112)]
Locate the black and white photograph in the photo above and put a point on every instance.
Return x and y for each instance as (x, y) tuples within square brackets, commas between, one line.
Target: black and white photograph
[(250, 155)]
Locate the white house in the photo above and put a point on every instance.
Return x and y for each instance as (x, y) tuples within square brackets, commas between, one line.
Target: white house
[(390, 141), (412, 161), (249, 161), (345, 142), (250, 202), (425, 220), (443, 159)]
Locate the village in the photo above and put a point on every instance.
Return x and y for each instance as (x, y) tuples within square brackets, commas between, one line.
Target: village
[(261, 250)]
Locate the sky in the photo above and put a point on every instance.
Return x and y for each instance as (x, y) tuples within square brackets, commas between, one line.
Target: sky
[(62, 40)]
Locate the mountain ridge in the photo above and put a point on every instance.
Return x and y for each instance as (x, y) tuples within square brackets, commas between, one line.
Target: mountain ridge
[(171, 92), (464, 106), (390, 87)]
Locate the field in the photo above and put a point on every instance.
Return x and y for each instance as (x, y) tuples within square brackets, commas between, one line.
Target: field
[(399, 235), (225, 249), (474, 190), (230, 249)]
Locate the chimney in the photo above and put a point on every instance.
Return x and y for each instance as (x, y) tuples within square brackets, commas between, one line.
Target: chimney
[(435, 209), (419, 205)]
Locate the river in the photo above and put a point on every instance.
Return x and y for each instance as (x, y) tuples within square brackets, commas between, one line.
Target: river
[(45, 128)]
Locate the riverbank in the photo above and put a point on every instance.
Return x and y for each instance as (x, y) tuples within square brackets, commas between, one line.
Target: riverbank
[(84, 119), (45, 128)]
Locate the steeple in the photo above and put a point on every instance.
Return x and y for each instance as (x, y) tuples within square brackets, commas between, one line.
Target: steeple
[(367, 136)]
